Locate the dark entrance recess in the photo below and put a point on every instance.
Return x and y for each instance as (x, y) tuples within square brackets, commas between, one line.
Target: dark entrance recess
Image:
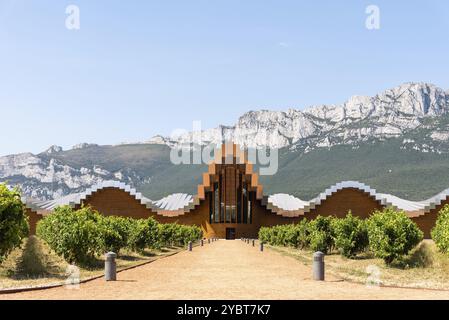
[(230, 233), (230, 197)]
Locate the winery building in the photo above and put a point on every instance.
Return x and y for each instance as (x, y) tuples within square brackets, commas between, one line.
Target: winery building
[(230, 202)]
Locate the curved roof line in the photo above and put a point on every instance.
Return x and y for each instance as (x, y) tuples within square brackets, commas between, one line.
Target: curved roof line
[(281, 204), (241, 158), (347, 185), (287, 207), (172, 203)]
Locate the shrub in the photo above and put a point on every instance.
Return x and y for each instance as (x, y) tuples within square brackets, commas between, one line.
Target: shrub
[(392, 234), (13, 221), (184, 234), (75, 235), (350, 235), (440, 233), (271, 235), (115, 233), (303, 232), (167, 234), (264, 234), (291, 235), (321, 234), (143, 233)]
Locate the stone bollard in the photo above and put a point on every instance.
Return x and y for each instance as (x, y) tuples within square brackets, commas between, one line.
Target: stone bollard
[(110, 267), (254, 243), (189, 247), (208, 241), (261, 247), (202, 242), (318, 266)]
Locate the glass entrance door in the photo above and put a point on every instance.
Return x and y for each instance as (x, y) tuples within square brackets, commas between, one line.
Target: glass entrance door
[(230, 199), (230, 233)]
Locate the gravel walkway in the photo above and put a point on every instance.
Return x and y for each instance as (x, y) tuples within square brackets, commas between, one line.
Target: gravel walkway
[(225, 270)]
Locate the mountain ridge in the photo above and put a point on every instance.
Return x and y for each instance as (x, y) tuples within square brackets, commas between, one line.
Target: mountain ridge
[(413, 115), (388, 114)]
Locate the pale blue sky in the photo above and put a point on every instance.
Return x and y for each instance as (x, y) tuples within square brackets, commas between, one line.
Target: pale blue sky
[(140, 68)]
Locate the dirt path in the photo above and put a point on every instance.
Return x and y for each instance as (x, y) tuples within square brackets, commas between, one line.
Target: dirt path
[(225, 270)]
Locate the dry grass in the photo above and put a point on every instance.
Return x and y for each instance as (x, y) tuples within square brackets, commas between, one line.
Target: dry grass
[(425, 267), (34, 264)]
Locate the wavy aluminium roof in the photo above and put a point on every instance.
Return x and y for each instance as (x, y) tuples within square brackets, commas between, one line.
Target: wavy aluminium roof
[(282, 204), (287, 205), (173, 203)]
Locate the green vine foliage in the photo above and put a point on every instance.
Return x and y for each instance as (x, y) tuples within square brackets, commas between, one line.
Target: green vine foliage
[(321, 235), (13, 221), (76, 235), (440, 233), (350, 235), (80, 236), (392, 234)]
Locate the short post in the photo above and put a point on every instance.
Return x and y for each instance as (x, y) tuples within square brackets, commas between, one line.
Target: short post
[(202, 242), (261, 247), (110, 267), (318, 266), (254, 243), (208, 241), (190, 246)]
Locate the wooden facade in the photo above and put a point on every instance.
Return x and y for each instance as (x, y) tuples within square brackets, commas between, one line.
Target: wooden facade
[(230, 203), (427, 221)]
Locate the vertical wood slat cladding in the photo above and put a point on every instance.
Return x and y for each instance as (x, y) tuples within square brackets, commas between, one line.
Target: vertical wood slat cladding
[(33, 219), (116, 202), (237, 202), (427, 221), (339, 203)]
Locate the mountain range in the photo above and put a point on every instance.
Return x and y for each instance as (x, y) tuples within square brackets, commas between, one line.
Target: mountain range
[(396, 141)]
